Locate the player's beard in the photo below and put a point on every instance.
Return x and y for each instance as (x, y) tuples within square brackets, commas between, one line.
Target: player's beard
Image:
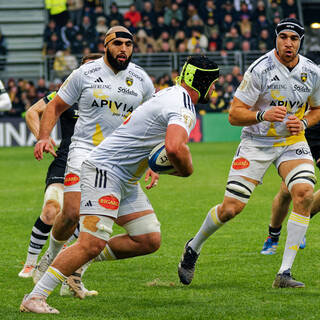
[(118, 65)]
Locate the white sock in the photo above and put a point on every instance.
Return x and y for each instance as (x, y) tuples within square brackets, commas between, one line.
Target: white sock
[(296, 229), (48, 282), (55, 246), (105, 254), (210, 225)]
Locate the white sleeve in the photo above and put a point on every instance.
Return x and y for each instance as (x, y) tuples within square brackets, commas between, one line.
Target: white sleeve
[(180, 113), (249, 88), (5, 102), (314, 99), (71, 89), (148, 88)]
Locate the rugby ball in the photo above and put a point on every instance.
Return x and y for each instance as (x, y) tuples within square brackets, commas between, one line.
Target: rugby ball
[(158, 160)]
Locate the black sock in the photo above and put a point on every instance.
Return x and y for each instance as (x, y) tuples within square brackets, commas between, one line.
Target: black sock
[(39, 236), (274, 233)]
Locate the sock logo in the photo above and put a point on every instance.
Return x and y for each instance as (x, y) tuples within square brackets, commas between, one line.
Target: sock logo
[(295, 248)]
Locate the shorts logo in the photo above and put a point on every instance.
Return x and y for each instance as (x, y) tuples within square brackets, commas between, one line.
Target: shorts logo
[(109, 202), (240, 163), (71, 179)]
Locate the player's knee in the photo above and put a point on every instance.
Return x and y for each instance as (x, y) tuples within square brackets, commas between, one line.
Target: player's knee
[(152, 242), (303, 195), (92, 248), (228, 211), (50, 211)]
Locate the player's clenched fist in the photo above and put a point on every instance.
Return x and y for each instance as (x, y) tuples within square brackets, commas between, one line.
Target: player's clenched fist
[(276, 113)]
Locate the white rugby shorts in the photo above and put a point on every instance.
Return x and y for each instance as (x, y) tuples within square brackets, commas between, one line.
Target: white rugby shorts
[(252, 161), (104, 194), (73, 168)]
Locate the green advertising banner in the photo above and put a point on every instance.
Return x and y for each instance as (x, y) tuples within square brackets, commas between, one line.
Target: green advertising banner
[(216, 127)]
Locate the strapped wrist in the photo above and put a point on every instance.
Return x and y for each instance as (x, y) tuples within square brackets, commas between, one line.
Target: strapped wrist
[(260, 116), (304, 123)]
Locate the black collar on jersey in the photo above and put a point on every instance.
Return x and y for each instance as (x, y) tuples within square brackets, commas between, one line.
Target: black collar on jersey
[(119, 34)]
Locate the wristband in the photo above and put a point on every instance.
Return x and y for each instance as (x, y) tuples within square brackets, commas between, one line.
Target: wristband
[(304, 123), (260, 116)]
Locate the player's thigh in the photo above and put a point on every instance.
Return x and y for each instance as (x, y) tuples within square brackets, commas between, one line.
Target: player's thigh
[(72, 178)]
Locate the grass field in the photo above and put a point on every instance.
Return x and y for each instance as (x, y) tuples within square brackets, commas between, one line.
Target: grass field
[(232, 280)]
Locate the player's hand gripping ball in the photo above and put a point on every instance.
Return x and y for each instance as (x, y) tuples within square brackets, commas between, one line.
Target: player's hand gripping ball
[(159, 161)]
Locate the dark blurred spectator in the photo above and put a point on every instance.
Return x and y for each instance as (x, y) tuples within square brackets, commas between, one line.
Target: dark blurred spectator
[(75, 11), (133, 15), (235, 73), (260, 10), (90, 5), (42, 89), (68, 33), (97, 13), (194, 20), (31, 94), (160, 5), (227, 8), (128, 24), (86, 51), (231, 37), (260, 24), (266, 39), (101, 26), (89, 33), (64, 63), (182, 48), (208, 11), (244, 24), (165, 37), (290, 9), (143, 41), (148, 12), (244, 10), (3, 51), (228, 94), (57, 11), (180, 37), (148, 27), (214, 41), (209, 26), (197, 41), (274, 10), (161, 27), (247, 36), (245, 46), (53, 45), (115, 14), (162, 82), (227, 23), (78, 44), (174, 27), (173, 12), (50, 28), (216, 104)]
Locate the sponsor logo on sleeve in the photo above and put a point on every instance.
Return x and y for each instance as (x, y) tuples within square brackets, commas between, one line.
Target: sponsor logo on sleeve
[(71, 179), (135, 75), (86, 73), (109, 202), (240, 163)]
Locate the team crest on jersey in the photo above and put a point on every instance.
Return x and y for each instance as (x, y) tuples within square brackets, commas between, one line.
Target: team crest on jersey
[(240, 163), (304, 77), (129, 81)]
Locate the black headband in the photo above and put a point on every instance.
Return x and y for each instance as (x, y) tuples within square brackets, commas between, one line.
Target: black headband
[(290, 26), (119, 34)]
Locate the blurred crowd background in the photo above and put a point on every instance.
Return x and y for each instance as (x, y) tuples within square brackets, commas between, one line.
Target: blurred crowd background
[(193, 26)]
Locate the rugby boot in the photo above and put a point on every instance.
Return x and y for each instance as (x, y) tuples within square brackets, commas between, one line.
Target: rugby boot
[(285, 280), (269, 247), (36, 304), (26, 271), (74, 286), (187, 264)]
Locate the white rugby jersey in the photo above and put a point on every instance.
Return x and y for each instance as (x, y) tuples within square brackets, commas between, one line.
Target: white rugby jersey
[(269, 83), (126, 150), (105, 99)]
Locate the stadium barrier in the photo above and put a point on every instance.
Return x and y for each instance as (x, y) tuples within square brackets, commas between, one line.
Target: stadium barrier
[(209, 128)]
